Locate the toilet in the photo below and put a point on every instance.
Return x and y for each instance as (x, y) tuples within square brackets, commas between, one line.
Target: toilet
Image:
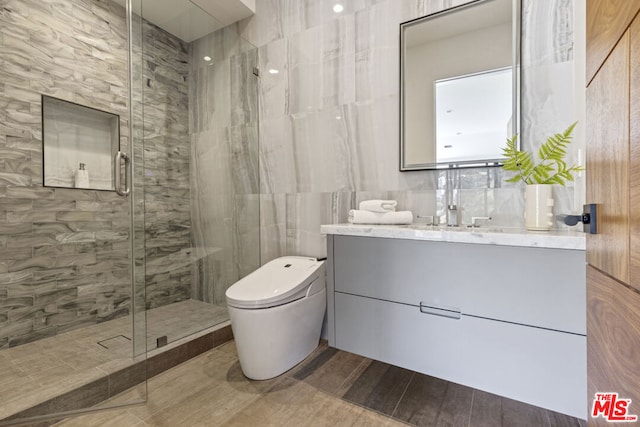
[(276, 315)]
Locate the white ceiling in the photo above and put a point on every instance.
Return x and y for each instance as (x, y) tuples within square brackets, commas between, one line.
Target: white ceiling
[(191, 19), (483, 14)]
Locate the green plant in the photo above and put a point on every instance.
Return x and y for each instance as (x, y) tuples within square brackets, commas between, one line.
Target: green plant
[(551, 167)]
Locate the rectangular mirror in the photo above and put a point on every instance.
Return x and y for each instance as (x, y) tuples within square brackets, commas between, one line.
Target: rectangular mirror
[(79, 145), (459, 88)]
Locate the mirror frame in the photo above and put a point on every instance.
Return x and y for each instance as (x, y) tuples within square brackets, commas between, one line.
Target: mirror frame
[(515, 99)]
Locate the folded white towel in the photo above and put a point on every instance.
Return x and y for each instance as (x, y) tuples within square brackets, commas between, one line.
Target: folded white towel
[(378, 205), (368, 217)]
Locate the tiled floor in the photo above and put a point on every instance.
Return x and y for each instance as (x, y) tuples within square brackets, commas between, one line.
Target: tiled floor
[(182, 319), (36, 372), (330, 388)]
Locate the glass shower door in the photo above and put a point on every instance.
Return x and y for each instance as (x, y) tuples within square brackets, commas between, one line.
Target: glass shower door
[(72, 319), (201, 188)]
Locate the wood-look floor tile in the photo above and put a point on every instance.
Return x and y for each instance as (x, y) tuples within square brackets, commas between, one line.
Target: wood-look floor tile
[(212, 387), (486, 409), (290, 403), (516, 414), (334, 411), (357, 372), (211, 407), (228, 347), (338, 412), (421, 402), (561, 420), (367, 418), (175, 387), (106, 418), (432, 401), (236, 379), (210, 390), (329, 370), (456, 408), (380, 387), (82, 397), (491, 410), (316, 360)]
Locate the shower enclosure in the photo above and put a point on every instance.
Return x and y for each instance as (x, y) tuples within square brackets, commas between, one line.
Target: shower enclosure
[(91, 281)]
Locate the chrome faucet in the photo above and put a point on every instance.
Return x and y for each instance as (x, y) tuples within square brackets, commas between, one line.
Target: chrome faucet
[(452, 216)]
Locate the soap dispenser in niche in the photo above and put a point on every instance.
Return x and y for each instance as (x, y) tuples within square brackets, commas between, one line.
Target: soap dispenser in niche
[(82, 177)]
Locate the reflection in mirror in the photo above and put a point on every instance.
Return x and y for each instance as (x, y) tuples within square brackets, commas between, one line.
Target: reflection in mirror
[(473, 116), (459, 96)]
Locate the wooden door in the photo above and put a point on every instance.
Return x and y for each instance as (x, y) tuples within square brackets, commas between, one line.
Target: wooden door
[(613, 172)]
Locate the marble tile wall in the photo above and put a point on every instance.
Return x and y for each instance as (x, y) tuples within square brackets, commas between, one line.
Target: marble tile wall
[(329, 121), (64, 253), (223, 122), (167, 169)]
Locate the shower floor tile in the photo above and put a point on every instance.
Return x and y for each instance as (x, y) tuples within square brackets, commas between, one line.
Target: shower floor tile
[(182, 319), (36, 372)]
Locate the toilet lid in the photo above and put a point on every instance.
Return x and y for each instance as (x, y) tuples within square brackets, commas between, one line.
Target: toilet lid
[(277, 282)]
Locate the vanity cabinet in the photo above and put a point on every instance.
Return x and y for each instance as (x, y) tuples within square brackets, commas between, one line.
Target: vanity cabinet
[(505, 319)]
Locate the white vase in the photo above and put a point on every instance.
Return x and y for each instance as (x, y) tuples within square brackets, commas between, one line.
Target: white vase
[(538, 207)]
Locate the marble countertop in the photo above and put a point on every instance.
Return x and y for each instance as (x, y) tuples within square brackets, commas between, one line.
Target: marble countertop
[(556, 239)]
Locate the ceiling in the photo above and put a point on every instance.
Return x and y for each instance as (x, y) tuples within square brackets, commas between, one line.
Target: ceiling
[(191, 19), (481, 14)]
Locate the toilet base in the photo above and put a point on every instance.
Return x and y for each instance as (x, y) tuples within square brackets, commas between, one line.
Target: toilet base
[(273, 340)]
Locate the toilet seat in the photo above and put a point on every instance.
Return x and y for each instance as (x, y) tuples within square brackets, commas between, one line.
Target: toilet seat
[(278, 282)]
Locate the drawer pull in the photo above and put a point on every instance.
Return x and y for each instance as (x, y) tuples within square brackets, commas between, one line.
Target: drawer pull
[(450, 312)]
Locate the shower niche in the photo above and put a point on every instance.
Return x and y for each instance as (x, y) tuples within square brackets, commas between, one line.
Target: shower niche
[(79, 145)]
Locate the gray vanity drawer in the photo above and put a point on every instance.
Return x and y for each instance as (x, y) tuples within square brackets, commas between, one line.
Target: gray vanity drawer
[(531, 286), (538, 366)]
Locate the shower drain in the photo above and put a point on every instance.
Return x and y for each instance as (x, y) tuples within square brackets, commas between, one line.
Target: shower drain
[(114, 342)]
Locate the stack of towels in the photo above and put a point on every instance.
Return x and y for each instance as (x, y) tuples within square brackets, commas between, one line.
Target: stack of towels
[(379, 212)]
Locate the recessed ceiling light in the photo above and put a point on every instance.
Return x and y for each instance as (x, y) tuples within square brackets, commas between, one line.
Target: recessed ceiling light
[(338, 117), (273, 71), (207, 58), (337, 8)]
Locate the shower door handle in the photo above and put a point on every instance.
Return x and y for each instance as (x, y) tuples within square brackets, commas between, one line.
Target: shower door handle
[(117, 173)]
